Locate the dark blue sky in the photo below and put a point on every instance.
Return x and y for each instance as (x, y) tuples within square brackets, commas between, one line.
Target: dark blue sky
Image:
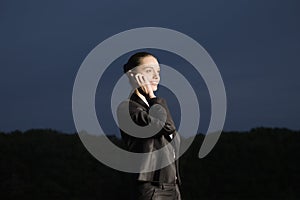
[(254, 43)]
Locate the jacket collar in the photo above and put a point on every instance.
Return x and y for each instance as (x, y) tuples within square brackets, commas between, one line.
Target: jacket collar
[(134, 97)]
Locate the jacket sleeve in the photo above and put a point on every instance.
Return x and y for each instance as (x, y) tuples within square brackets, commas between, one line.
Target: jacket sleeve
[(142, 118)]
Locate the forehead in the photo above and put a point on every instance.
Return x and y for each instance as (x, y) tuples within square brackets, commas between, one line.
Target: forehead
[(148, 59), (148, 62), (154, 66)]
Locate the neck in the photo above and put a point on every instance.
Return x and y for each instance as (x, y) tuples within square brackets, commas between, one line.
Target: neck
[(141, 96)]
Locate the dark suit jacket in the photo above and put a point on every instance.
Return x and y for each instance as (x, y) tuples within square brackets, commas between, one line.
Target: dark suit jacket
[(139, 113)]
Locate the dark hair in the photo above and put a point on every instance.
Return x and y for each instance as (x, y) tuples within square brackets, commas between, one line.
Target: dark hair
[(135, 60)]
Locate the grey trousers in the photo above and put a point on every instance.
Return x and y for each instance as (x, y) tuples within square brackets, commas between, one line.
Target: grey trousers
[(144, 190)]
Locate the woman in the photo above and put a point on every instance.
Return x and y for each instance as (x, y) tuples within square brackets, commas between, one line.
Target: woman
[(143, 71)]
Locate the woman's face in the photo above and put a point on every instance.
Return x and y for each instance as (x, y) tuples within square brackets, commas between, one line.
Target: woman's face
[(149, 67)]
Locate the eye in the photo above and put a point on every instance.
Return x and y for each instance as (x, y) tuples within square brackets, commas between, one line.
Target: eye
[(148, 70)]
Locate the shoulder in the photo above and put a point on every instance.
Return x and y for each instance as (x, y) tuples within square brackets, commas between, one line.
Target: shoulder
[(157, 100), (128, 104)]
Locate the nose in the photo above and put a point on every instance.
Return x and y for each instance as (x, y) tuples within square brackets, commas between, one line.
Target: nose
[(155, 75)]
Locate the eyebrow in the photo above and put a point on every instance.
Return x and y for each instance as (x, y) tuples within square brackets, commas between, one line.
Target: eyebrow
[(144, 67)]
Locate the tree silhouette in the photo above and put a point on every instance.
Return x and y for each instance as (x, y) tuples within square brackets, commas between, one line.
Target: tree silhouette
[(262, 163)]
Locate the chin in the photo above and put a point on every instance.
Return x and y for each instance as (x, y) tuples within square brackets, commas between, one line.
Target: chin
[(154, 88)]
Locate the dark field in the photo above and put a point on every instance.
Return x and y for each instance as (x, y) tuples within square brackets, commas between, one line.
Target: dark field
[(44, 164)]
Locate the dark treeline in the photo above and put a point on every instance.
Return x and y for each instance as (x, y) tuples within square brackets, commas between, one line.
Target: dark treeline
[(45, 164)]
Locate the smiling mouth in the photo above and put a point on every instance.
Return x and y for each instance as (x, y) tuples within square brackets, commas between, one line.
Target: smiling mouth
[(154, 83)]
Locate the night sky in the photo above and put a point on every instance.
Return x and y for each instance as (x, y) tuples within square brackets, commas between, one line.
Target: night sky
[(254, 43)]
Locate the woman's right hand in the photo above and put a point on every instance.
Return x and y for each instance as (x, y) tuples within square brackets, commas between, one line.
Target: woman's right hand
[(145, 84)]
